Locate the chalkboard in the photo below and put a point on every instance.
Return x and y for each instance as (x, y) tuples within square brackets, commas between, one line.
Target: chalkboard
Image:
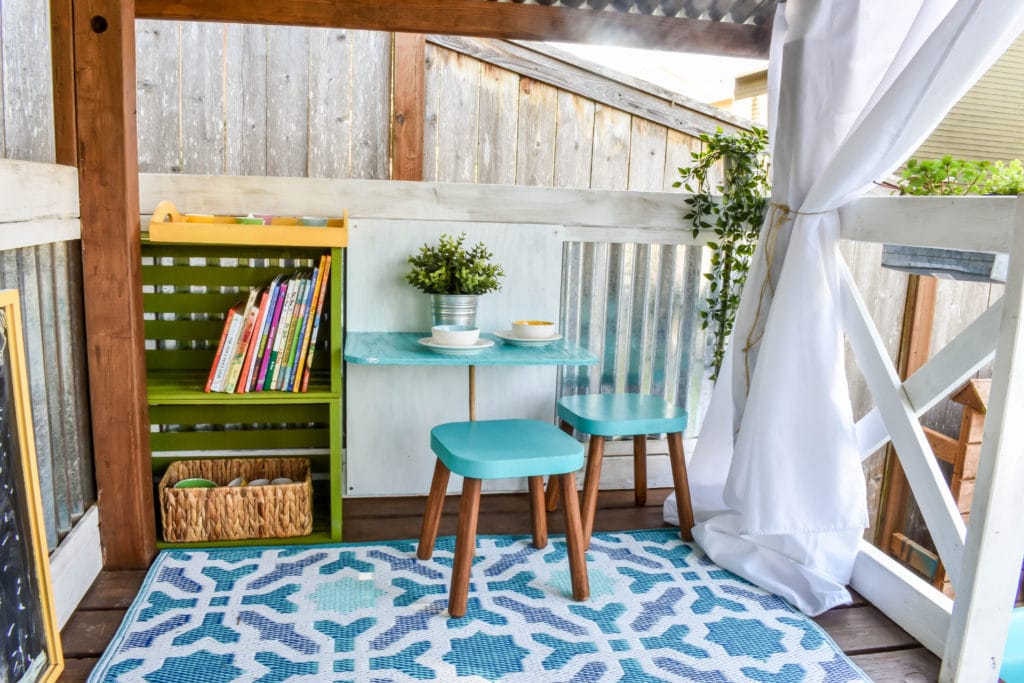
[(29, 640)]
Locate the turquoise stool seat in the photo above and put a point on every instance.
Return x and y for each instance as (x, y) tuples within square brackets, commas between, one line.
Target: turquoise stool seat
[(1012, 670), (636, 415), (499, 449)]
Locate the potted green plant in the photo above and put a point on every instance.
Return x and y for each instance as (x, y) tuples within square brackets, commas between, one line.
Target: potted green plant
[(953, 177), (455, 276)]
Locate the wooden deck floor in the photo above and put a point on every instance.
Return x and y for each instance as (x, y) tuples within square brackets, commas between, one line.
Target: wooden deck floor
[(882, 649)]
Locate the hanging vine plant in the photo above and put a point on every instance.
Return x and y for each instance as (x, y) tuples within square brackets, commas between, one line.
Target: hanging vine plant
[(735, 218)]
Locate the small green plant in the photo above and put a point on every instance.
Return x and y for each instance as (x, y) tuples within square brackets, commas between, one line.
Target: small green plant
[(945, 176), (735, 218), (448, 267), (1004, 178)]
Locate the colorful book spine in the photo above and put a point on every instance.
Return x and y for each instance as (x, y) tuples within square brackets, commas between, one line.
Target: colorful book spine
[(257, 362), (248, 321), (282, 361), (271, 334), (282, 332), (295, 380), (324, 285), (228, 319), (299, 331), (253, 342), (230, 342)]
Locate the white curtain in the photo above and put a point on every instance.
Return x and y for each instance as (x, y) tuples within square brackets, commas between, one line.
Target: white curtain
[(857, 85)]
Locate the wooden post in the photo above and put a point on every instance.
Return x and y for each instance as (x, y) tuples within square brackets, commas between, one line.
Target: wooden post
[(994, 545), (915, 345), (62, 52), (409, 89), (107, 152)]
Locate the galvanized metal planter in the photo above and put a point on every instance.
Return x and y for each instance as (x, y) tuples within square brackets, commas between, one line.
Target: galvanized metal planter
[(953, 264), (454, 309)]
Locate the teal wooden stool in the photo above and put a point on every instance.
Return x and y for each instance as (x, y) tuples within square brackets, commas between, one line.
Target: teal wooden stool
[(636, 415), (497, 449)]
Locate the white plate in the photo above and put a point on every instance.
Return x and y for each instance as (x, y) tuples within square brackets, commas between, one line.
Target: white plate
[(510, 337), (480, 345)]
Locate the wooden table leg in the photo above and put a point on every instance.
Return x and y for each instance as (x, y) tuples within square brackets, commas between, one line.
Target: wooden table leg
[(432, 515), (551, 497), (591, 482), (573, 538), (465, 547), (640, 469), (538, 514), (682, 485)]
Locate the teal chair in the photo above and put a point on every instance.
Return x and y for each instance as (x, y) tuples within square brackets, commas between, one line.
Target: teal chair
[(498, 449), (636, 415)]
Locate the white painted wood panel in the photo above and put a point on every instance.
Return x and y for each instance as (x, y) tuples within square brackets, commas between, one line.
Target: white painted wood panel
[(75, 564), (391, 409), (30, 190), (32, 233), (995, 546)]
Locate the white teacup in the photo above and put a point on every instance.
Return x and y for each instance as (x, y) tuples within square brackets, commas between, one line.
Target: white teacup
[(455, 335)]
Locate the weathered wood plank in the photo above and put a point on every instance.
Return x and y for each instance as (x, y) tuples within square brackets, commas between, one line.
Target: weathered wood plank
[(497, 137), (915, 665), (610, 169), (202, 98), (601, 84), (287, 100), (62, 51), (88, 633), (431, 110), (371, 104), (574, 140), (459, 84), (407, 121), (35, 191), (647, 156), (494, 20), (535, 156), (108, 174), (678, 150), (245, 100), (113, 590), (863, 629), (27, 94), (77, 670), (158, 91), (330, 103)]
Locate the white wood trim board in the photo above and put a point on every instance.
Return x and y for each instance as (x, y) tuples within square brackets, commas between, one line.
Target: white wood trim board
[(31, 191), (75, 564)]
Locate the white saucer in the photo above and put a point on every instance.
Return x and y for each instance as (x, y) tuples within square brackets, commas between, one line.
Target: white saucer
[(480, 345), (509, 337)]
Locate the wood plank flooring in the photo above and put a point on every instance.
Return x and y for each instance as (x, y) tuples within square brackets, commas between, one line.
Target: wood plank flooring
[(877, 645)]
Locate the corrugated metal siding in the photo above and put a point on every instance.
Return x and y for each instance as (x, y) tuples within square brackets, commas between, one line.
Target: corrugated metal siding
[(49, 278), (988, 123), (635, 306)]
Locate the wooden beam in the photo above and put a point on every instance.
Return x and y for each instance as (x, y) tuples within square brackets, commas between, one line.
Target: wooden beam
[(568, 72), (62, 53), (104, 39), (510, 21), (409, 83)]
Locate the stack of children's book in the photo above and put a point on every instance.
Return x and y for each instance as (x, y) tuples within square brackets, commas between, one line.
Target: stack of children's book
[(269, 340)]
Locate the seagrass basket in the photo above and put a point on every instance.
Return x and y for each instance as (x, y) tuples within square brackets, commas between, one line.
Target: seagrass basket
[(233, 513)]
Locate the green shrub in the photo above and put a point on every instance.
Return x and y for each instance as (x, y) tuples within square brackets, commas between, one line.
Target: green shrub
[(945, 176), (1005, 178)]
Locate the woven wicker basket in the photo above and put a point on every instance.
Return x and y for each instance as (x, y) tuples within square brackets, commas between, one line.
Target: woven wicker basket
[(233, 513)]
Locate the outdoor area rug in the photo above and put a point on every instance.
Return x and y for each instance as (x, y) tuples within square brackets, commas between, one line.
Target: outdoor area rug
[(659, 611)]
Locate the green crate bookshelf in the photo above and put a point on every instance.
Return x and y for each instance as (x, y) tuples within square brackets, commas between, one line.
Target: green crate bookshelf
[(188, 286)]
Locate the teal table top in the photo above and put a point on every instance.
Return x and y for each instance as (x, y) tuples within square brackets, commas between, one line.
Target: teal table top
[(403, 348)]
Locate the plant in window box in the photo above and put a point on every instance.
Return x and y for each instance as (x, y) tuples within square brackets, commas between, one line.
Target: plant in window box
[(954, 177), (455, 276)]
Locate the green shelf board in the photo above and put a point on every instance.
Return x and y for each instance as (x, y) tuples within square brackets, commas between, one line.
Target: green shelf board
[(188, 388)]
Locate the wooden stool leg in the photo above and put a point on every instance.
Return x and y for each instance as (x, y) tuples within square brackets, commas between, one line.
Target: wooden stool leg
[(432, 515), (640, 469), (465, 546), (591, 482), (682, 485), (538, 513), (574, 538), (551, 498)]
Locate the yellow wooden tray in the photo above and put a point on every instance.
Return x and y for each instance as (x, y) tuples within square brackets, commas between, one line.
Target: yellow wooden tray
[(169, 225)]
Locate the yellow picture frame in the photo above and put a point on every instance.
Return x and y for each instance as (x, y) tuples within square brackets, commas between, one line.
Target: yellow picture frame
[(29, 501)]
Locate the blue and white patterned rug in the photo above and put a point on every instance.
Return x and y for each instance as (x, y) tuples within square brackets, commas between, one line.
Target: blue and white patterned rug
[(659, 611)]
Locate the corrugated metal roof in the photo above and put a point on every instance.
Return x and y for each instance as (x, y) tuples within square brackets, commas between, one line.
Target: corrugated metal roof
[(756, 12)]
